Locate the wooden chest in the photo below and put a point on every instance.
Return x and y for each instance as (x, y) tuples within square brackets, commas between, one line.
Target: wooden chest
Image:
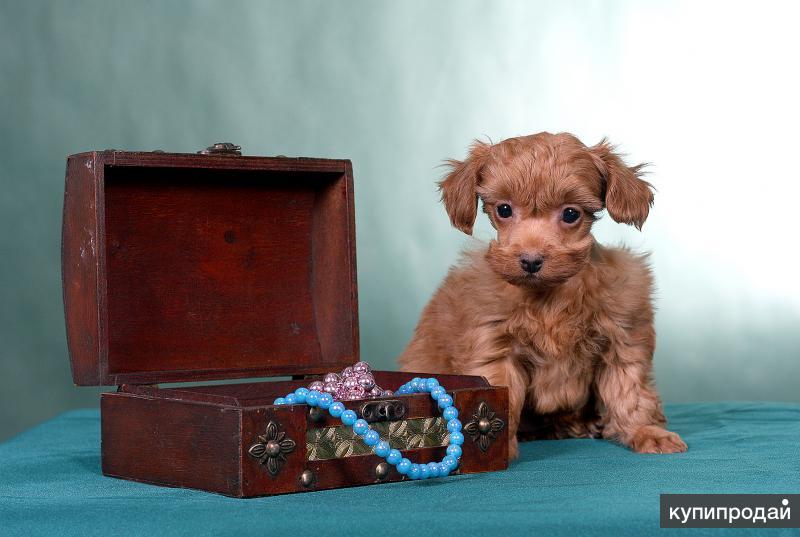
[(182, 268)]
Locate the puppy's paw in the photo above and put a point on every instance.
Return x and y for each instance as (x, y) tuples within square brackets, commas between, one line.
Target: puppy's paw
[(654, 439)]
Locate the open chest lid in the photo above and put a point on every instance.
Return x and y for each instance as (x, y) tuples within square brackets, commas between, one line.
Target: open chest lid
[(184, 267)]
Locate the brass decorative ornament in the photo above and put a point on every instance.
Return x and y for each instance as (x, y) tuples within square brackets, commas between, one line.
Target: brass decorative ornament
[(272, 448), (484, 426), (384, 410), (382, 471), (307, 478), (316, 414)]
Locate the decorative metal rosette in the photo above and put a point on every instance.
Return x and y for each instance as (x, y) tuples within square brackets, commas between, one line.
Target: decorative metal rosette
[(484, 426), (272, 448)]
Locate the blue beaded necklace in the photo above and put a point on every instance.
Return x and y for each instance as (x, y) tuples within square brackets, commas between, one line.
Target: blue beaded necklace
[(325, 401)]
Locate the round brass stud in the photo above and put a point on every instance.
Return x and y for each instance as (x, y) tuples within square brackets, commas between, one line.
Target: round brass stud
[(307, 478), (316, 414), (382, 471), (484, 425), (273, 448)]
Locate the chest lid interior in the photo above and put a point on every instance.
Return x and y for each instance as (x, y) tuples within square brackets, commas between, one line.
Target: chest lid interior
[(182, 267)]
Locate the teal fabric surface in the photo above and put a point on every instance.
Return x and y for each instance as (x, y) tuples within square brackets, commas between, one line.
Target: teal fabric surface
[(50, 483)]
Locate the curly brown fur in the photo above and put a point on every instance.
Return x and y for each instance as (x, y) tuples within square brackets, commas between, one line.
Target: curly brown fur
[(573, 341)]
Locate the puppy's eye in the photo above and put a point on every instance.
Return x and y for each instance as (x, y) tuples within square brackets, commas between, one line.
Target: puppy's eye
[(504, 210), (570, 215)]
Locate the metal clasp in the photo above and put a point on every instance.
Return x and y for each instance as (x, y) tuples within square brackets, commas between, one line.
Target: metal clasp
[(222, 148), (383, 410)]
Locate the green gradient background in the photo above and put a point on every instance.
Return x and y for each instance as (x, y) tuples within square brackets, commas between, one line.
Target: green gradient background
[(707, 92)]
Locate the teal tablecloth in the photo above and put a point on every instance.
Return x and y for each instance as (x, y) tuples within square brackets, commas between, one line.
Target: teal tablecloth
[(50, 483)]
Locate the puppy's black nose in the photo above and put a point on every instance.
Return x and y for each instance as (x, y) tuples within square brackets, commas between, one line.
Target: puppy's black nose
[(531, 264)]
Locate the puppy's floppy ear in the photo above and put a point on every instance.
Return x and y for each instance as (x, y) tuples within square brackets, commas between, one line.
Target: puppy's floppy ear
[(458, 188), (628, 198)]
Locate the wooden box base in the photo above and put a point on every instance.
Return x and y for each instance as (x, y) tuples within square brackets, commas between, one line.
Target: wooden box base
[(202, 437)]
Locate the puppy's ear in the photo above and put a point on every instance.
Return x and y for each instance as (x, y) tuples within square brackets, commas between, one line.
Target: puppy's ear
[(458, 188), (628, 198)]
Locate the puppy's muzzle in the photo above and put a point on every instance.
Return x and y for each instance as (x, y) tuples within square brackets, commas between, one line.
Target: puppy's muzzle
[(531, 263)]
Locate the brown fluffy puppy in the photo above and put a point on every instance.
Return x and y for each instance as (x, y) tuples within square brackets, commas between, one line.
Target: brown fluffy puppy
[(565, 323)]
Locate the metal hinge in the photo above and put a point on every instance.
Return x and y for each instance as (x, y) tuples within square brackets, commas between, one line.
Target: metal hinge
[(222, 148)]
